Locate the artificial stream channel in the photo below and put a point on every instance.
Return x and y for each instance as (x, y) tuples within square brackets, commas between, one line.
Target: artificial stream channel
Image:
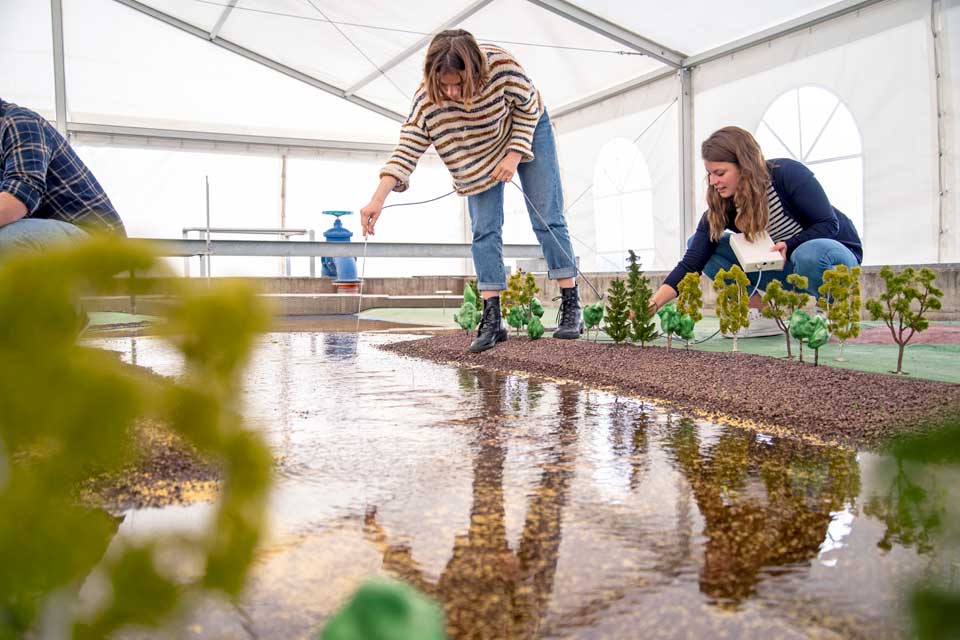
[(530, 508)]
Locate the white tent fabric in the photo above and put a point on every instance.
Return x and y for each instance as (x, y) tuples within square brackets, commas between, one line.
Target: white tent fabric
[(855, 96)]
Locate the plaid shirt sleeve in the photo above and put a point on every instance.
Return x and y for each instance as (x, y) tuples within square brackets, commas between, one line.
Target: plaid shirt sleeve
[(25, 161)]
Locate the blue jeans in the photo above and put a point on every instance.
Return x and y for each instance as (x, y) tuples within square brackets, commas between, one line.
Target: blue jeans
[(810, 259), (36, 234), (540, 179)]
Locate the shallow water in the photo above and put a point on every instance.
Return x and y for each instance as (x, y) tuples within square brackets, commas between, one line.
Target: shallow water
[(532, 509)]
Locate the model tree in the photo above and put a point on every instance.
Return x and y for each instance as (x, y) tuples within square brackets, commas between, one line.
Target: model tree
[(642, 327), (733, 304), (780, 303), (672, 322), (909, 295), (592, 315), (468, 317), (618, 312), (840, 299), (519, 304), (476, 294), (690, 302), (800, 328), (818, 333)]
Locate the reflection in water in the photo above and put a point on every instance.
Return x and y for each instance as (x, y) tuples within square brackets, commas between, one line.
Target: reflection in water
[(487, 589), (531, 509), (765, 507)]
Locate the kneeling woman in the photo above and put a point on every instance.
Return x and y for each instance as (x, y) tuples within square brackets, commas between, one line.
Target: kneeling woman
[(483, 115), (748, 194)]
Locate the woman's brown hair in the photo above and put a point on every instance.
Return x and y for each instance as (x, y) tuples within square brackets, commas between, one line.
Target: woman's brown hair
[(733, 144), (454, 51)]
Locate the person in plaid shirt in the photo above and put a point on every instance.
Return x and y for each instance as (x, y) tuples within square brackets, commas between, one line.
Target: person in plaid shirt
[(47, 194)]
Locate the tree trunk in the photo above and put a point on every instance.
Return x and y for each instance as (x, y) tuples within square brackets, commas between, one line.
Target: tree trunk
[(734, 344), (789, 353), (816, 357), (840, 357), (900, 359), (801, 349)]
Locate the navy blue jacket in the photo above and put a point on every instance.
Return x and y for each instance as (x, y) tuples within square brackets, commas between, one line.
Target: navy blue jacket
[(803, 200)]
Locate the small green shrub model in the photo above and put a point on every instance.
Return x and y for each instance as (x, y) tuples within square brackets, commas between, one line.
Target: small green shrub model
[(387, 609), (475, 291), (800, 328), (781, 303), (468, 316), (672, 323), (617, 314), (840, 299), (818, 334), (592, 315), (908, 297), (76, 422), (534, 328), (733, 303), (642, 327)]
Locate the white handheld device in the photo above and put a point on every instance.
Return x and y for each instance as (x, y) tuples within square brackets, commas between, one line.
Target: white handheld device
[(756, 255)]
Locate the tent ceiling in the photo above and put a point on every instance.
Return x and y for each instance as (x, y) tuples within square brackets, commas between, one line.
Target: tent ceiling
[(370, 52)]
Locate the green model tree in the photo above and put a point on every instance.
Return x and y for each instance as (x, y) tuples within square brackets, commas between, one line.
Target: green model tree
[(80, 422), (818, 333), (476, 294), (672, 322), (780, 303), (733, 303), (519, 303), (468, 316), (617, 314), (690, 301), (800, 328), (840, 299), (908, 297), (592, 315), (642, 327)]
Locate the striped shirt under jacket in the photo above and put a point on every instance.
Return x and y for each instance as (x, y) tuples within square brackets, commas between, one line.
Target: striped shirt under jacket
[(471, 140)]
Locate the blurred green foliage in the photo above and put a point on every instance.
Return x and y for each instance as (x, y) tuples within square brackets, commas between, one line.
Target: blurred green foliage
[(66, 412)]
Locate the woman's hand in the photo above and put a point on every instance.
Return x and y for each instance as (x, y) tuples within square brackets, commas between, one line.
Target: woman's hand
[(781, 248), (507, 168), (369, 216)]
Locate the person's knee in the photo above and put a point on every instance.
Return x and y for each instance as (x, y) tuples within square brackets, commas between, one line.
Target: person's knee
[(690, 240)]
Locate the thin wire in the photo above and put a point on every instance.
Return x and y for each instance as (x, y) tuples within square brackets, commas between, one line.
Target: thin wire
[(557, 240), (359, 25), (363, 270), (360, 51)]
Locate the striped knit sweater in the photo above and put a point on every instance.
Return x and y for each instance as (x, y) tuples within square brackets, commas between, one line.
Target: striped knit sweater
[(471, 141)]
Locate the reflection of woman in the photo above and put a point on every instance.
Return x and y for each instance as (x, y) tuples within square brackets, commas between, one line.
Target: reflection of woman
[(480, 111), (487, 589), (748, 194)]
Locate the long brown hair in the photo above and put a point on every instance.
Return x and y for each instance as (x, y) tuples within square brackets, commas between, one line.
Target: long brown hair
[(454, 51), (733, 144)]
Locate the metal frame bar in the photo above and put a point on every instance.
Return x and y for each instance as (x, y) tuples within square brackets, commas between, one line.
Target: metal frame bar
[(797, 24), (147, 134), (261, 59), (687, 189), (59, 71), (416, 46), (612, 30), (606, 94), (215, 31)]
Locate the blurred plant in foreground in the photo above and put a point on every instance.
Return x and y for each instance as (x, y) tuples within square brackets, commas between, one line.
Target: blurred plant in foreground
[(66, 412)]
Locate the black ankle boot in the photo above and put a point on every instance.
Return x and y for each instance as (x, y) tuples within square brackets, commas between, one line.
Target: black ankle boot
[(570, 323), (491, 330)]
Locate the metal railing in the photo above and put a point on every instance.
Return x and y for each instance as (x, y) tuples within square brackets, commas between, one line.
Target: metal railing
[(208, 243)]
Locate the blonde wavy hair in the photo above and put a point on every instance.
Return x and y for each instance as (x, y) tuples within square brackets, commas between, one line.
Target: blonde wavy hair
[(454, 51), (735, 145)]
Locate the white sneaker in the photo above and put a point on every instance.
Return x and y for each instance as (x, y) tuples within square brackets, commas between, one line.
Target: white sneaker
[(759, 327)]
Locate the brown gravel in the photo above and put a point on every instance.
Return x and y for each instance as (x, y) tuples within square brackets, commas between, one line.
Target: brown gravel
[(825, 404)]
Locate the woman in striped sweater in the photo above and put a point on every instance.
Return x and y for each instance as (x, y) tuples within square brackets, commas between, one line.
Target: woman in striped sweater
[(749, 194), (483, 115)]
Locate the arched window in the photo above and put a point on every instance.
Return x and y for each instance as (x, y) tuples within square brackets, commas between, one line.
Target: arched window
[(812, 125), (622, 205)]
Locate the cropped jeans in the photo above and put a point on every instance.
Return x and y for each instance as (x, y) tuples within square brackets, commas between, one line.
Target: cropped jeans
[(36, 234), (810, 259), (540, 179)]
